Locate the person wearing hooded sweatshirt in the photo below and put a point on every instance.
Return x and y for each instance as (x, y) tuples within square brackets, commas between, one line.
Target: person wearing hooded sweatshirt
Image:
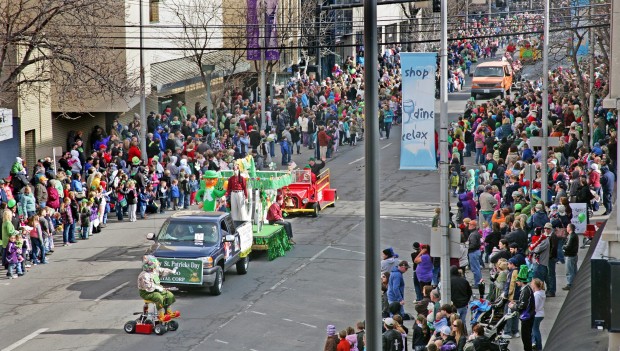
[(331, 343), (389, 260), (607, 184), (75, 163), (396, 285)]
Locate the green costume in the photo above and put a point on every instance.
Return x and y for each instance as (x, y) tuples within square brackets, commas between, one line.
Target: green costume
[(208, 192)]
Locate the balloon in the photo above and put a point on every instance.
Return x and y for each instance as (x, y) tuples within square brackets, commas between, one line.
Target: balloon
[(581, 217)]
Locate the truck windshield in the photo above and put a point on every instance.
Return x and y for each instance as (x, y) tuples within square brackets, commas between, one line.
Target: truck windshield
[(489, 72), (179, 231)]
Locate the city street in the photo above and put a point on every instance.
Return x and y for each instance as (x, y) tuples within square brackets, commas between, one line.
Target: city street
[(81, 300)]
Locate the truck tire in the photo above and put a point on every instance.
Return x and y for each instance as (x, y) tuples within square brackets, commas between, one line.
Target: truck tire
[(316, 209), (243, 265), (216, 289)]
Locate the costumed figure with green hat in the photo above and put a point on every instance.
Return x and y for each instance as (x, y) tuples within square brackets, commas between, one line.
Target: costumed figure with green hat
[(151, 289), (208, 194), (135, 165), (18, 167)]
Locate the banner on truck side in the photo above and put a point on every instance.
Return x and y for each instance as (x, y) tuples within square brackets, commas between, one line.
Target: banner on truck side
[(189, 272), (417, 150)]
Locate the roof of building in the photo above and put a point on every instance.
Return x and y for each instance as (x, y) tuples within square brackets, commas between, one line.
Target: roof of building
[(185, 70)]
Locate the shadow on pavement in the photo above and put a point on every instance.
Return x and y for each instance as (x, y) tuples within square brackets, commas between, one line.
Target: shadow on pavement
[(94, 289), (85, 331), (118, 253)]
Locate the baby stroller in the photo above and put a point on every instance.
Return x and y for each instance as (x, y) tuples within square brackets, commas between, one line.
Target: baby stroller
[(493, 318)]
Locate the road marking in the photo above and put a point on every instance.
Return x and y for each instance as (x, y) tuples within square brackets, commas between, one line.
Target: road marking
[(319, 253), (261, 313), (347, 250), (221, 341), (286, 319), (307, 325), (25, 339), (383, 147), (361, 276), (359, 159), (253, 350), (111, 292)]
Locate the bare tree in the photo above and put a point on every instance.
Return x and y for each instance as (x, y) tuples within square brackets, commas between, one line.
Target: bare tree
[(572, 33), (62, 42)]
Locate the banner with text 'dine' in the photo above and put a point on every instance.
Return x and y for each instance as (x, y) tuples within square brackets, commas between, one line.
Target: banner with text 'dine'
[(417, 150)]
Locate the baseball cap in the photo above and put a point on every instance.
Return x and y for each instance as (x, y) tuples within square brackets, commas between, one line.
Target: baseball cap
[(403, 263), (388, 321), (445, 330), (548, 225)]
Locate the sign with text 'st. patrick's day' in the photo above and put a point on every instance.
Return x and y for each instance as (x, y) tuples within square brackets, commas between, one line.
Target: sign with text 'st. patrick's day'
[(417, 150)]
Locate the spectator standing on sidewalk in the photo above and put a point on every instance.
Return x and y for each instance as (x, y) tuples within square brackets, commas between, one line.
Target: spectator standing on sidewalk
[(571, 249), (538, 287), (474, 254), (461, 292), (396, 286), (526, 307)]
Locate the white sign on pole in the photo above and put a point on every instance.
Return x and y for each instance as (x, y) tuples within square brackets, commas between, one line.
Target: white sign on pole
[(6, 124), (455, 242), (580, 216)]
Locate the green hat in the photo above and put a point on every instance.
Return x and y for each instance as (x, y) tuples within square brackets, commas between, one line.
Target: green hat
[(523, 275), (199, 131), (84, 201), (311, 159), (518, 207), (211, 174), (135, 161), (69, 173), (12, 203), (156, 158)]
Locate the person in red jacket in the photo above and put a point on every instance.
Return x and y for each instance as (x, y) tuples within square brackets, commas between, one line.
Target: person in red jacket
[(343, 345), (134, 151), (274, 216)]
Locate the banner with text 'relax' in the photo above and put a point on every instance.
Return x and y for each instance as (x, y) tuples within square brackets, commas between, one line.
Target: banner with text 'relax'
[(417, 150)]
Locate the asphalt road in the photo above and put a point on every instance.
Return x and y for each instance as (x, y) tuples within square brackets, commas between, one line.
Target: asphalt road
[(81, 300)]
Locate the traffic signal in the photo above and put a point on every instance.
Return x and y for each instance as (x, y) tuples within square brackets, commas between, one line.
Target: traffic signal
[(436, 5)]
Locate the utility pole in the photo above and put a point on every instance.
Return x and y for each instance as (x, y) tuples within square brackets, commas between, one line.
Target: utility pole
[(444, 196), (372, 208), (545, 104), (263, 65), (317, 41), (142, 91), (591, 100)]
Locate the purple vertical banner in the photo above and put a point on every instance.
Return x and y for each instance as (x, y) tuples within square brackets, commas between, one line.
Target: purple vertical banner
[(253, 31), (271, 31)]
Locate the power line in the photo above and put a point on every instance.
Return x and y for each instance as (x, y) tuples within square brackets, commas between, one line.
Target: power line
[(331, 45)]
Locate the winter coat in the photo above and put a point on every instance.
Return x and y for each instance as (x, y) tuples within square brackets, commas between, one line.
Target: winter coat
[(396, 286), (53, 199), (461, 289), (538, 219), (607, 181), (27, 203)]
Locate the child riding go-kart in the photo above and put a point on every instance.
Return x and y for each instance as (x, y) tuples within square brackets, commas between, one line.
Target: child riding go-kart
[(160, 318)]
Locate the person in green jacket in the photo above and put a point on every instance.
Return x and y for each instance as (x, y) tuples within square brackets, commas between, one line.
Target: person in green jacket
[(7, 227)]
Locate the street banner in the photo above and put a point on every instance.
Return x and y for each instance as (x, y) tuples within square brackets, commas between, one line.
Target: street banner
[(189, 272), (271, 31), (253, 31), (417, 150), (580, 217)]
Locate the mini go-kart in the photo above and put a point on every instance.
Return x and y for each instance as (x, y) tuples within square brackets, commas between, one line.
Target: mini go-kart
[(148, 322), (307, 193)]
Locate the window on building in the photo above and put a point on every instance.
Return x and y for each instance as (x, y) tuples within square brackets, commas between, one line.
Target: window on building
[(153, 11)]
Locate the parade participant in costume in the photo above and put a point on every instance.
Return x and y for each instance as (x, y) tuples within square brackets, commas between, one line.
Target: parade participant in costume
[(238, 192), (208, 193), (152, 290), (274, 216)]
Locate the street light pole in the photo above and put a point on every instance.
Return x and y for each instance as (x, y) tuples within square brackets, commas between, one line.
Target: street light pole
[(591, 101), (545, 105), (263, 68), (444, 197), (142, 92), (372, 231)]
